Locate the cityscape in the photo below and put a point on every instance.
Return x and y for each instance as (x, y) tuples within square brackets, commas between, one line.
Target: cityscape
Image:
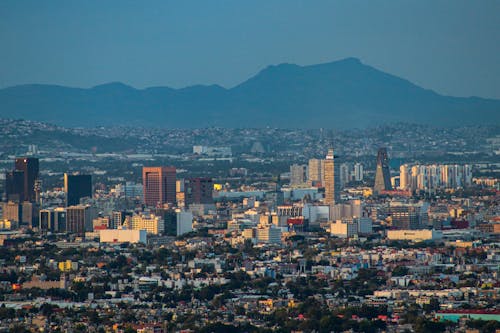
[(329, 196)]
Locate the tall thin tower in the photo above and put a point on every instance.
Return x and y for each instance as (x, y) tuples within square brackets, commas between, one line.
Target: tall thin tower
[(382, 174), (331, 179)]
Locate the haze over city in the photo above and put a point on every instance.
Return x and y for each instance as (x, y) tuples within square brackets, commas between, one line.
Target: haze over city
[(264, 166)]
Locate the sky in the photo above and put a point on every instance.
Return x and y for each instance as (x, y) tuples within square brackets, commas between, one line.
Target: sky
[(452, 47)]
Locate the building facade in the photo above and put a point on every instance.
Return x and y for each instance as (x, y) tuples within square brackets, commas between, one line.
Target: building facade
[(159, 185)]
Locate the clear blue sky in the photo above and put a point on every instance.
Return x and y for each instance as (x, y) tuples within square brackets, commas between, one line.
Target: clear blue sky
[(452, 47)]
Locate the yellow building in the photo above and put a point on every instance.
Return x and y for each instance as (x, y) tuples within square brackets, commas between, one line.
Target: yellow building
[(151, 223), (68, 265)]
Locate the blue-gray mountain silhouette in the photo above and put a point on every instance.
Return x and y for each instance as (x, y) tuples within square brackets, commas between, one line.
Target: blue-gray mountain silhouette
[(343, 93)]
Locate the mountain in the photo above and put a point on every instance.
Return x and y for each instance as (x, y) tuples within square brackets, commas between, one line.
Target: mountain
[(345, 93)]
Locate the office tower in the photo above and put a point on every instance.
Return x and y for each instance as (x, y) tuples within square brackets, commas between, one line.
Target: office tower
[(382, 174), (78, 219), (14, 186), (30, 167), (198, 191), (77, 187), (331, 179), (298, 175), (315, 172), (159, 185)]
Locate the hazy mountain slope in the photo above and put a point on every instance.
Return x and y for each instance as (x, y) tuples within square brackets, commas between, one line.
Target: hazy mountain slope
[(342, 93)]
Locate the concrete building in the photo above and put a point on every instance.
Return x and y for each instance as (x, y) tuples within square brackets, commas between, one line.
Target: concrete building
[(298, 175), (415, 235), (123, 236), (197, 190), (151, 223), (79, 219), (345, 228), (268, 234), (184, 222)]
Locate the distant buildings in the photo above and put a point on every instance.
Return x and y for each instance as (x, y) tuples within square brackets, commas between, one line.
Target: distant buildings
[(434, 176), (212, 151), (77, 187), (349, 227), (159, 185), (382, 173), (408, 216)]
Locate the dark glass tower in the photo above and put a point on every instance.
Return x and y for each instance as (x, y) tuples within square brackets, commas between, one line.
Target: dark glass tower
[(77, 187), (14, 186), (20, 183), (382, 174)]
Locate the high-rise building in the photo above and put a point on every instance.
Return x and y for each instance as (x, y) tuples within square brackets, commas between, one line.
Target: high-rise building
[(159, 185), (14, 186), (331, 179), (78, 219), (403, 177), (198, 191), (184, 222), (30, 167), (298, 175), (358, 172), (77, 187), (345, 175), (315, 171), (382, 174)]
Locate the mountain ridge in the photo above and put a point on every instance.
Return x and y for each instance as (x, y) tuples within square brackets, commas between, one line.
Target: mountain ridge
[(343, 93)]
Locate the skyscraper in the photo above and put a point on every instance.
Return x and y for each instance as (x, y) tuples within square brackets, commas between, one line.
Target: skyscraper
[(77, 187), (20, 183), (315, 171), (14, 186), (198, 191), (382, 174), (331, 179), (30, 167), (158, 185)]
